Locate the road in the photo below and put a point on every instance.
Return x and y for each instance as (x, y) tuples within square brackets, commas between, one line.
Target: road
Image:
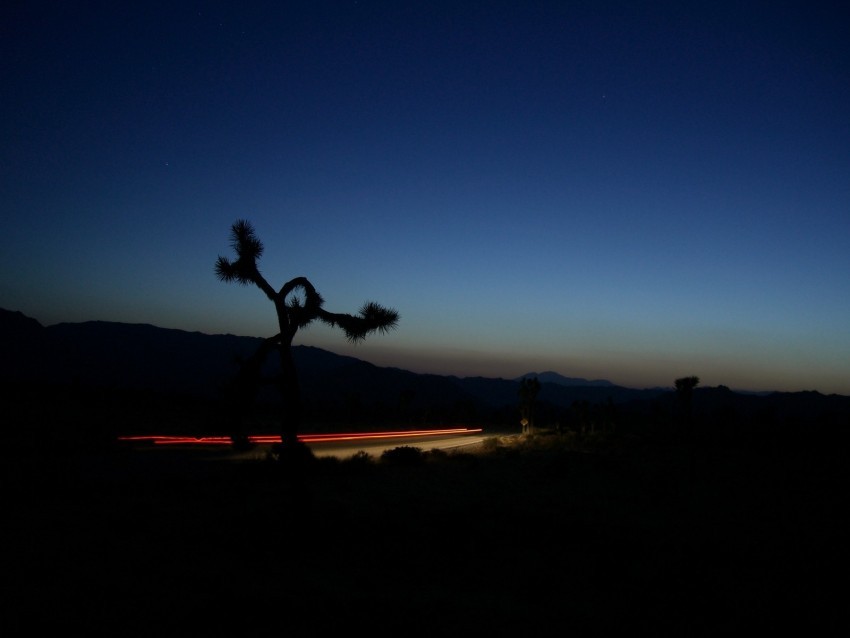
[(339, 445), (375, 447)]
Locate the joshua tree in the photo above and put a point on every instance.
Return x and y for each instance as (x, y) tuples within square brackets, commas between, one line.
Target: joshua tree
[(685, 391), (529, 387), (243, 388), (685, 388), (294, 312)]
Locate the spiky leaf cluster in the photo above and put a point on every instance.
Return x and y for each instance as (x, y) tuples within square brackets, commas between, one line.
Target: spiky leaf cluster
[(372, 318), (248, 248)]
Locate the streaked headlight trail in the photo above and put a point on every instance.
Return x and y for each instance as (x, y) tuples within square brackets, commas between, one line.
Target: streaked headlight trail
[(261, 439)]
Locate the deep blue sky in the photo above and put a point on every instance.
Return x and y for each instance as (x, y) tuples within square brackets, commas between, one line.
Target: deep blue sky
[(630, 191)]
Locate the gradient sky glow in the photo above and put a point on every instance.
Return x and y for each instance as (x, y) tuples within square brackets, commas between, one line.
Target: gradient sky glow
[(630, 191)]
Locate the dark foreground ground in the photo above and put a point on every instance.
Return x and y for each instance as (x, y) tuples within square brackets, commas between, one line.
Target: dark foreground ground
[(552, 536)]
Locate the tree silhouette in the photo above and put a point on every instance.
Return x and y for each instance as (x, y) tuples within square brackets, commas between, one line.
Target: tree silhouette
[(294, 312), (242, 390), (685, 387), (685, 392), (529, 387)]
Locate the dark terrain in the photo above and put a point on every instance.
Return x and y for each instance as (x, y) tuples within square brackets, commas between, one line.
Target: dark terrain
[(551, 535), (618, 516)]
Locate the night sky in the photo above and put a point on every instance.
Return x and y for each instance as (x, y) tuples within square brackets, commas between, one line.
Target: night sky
[(629, 191)]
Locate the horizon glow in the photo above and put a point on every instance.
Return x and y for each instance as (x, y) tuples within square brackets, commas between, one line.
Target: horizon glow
[(631, 193)]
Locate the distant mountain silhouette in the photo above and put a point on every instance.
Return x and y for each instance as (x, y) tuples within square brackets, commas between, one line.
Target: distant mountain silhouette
[(139, 364), (123, 357), (142, 356), (559, 379)]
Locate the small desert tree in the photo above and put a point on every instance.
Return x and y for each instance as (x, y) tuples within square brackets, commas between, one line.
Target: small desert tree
[(529, 387), (685, 393), (297, 305)]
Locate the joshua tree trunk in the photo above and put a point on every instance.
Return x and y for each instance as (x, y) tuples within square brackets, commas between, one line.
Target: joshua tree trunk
[(290, 390), (290, 393), (243, 391)]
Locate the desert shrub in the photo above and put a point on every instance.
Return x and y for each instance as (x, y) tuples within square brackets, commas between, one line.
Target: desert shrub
[(490, 444), (360, 462), (404, 455), (463, 459), (436, 454), (361, 457)]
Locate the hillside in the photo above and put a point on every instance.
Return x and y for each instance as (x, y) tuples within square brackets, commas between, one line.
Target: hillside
[(137, 370), (614, 524)]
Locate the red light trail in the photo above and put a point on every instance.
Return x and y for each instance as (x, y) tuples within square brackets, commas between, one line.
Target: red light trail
[(304, 438)]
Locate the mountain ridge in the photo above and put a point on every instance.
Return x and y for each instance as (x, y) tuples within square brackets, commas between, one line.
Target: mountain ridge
[(141, 333), (555, 377), (138, 362)]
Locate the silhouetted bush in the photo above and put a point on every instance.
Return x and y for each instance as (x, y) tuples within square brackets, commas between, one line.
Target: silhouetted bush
[(436, 454), (360, 458), (360, 463), (490, 444), (404, 455)]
